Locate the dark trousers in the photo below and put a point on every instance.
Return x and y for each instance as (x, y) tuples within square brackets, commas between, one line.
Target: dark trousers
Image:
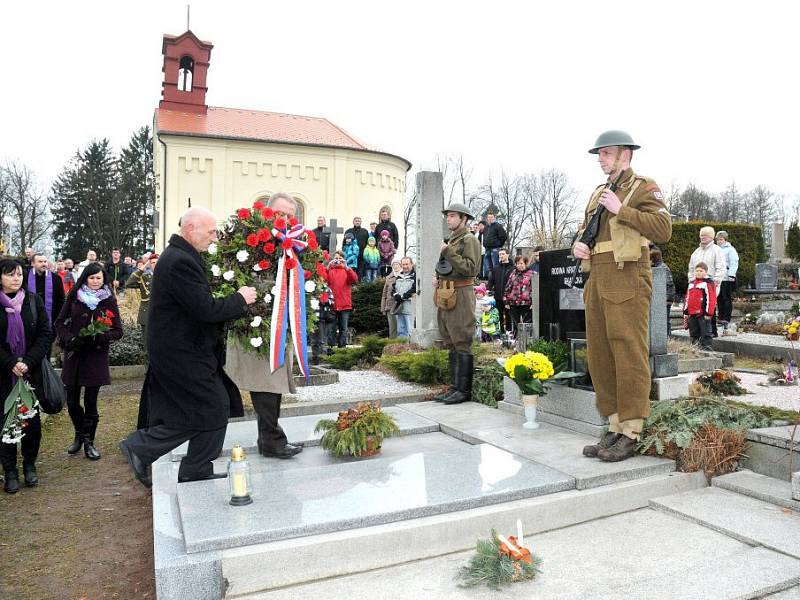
[(505, 317), (725, 301), (319, 340), (204, 446), (30, 446), (79, 415), (268, 408), (519, 313), (342, 322), (700, 331)]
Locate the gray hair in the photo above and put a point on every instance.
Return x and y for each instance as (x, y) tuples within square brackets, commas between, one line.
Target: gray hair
[(723, 234), (282, 196), (195, 214)]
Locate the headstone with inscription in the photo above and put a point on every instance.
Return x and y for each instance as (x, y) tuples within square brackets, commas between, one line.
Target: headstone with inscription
[(560, 308), (766, 277)]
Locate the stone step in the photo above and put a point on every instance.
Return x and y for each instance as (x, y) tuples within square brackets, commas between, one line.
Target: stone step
[(774, 451), (300, 430), (760, 487), (651, 559), (790, 594), (553, 446), (291, 407), (276, 564), (297, 502), (746, 519)]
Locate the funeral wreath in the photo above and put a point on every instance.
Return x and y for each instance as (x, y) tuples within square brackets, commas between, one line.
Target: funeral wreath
[(357, 431)]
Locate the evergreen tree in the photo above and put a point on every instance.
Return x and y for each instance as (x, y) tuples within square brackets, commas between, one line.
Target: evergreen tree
[(137, 187), (793, 241)]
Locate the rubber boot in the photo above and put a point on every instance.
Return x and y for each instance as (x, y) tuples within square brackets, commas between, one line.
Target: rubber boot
[(8, 457), (76, 444), (463, 391), (29, 472), (452, 359), (90, 427)]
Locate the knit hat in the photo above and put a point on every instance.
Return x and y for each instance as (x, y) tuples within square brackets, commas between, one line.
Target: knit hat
[(480, 289), (371, 241), (384, 233)]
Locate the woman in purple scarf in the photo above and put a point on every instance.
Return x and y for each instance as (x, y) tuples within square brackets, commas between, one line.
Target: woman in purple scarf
[(24, 342), (86, 357)]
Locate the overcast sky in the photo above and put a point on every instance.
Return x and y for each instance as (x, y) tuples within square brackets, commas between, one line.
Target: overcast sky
[(708, 88)]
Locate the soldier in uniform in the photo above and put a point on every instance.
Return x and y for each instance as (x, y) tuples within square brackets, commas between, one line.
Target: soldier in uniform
[(456, 271), (617, 293), (141, 280)]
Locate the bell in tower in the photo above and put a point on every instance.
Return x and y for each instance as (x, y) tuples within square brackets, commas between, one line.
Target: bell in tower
[(186, 60)]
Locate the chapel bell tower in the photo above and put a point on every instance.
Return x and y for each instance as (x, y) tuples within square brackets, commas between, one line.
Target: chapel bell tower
[(186, 60)]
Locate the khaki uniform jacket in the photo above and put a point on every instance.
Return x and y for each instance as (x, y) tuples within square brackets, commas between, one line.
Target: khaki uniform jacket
[(141, 281), (463, 252)]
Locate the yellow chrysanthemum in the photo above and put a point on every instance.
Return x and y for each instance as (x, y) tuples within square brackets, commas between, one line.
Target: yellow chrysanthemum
[(536, 363)]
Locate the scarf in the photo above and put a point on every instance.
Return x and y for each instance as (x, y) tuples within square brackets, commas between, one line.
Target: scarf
[(48, 291), (91, 298), (15, 334)]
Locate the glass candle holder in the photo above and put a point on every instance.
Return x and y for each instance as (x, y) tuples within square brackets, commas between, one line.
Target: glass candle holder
[(239, 480)]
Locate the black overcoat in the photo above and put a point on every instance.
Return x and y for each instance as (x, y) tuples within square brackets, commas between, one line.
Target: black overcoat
[(185, 386), (38, 339), (87, 366)]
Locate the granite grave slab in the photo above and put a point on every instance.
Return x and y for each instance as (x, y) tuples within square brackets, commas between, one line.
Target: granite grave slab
[(299, 502)]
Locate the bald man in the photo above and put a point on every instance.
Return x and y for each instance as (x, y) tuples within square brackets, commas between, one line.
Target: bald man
[(188, 395)]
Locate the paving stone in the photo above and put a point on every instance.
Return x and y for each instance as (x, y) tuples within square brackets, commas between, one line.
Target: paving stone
[(752, 521), (300, 430), (305, 501), (468, 415), (761, 487)]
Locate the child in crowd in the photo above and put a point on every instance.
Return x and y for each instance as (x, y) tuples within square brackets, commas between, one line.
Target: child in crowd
[(350, 251), (387, 250), (699, 306), (490, 320), (372, 260), (480, 294)]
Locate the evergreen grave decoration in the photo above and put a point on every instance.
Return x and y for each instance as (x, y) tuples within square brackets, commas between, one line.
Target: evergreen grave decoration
[(500, 561), (358, 431)]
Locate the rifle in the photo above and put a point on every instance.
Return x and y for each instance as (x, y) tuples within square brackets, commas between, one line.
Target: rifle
[(589, 235)]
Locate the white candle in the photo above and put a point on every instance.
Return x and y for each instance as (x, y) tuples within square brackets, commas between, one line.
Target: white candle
[(520, 539)]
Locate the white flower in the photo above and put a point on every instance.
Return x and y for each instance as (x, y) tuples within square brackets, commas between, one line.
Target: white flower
[(314, 304), (242, 255), (228, 275), (256, 267), (274, 290), (256, 341), (215, 270), (310, 286), (212, 249), (256, 322), (267, 298)]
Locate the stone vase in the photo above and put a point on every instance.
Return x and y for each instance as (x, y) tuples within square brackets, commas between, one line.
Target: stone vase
[(529, 403)]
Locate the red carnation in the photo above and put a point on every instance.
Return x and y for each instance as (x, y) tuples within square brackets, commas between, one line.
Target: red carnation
[(292, 222), (323, 297), (243, 213), (279, 223), (320, 269), (23, 409), (326, 255), (268, 213), (291, 263), (264, 264), (287, 244), (252, 240), (109, 313), (264, 235), (269, 248), (258, 205), (311, 235), (312, 243), (307, 274)]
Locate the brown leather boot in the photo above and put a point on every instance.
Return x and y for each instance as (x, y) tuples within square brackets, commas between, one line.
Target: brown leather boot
[(623, 449), (609, 439)]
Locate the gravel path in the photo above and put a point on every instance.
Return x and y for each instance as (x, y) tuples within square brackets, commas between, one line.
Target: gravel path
[(786, 397), (357, 385)]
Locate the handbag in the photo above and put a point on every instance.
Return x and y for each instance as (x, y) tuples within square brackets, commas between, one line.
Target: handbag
[(51, 394)]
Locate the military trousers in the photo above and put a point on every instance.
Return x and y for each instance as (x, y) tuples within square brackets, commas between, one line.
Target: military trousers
[(617, 336), (457, 326)]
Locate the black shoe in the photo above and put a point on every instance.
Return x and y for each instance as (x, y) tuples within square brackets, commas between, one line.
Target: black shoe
[(288, 451), (11, 486), (29, 472), (90, 451), (136, 464), (212, 476), (76, 444), (463, 382)]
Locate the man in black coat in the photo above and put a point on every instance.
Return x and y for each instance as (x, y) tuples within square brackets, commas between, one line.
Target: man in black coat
[(45, 284), (117, 272), (497, 283), (361, 236), (494, 238), (188, 394)]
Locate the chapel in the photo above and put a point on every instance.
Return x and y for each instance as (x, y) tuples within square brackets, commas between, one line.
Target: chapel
[(227, 158)]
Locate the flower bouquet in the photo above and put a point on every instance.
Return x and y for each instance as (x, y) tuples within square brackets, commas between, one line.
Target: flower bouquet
[(280, 258), (500, 560), (20, 405), (100, 325), (720, 382), (531, 371), (357, 431), (792, 329)]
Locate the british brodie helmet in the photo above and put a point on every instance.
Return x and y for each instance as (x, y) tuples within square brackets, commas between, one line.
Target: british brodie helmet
[(614, 137), (460, 207)]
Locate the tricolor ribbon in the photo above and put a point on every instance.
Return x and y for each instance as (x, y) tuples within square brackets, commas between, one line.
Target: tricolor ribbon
[(289, 307)]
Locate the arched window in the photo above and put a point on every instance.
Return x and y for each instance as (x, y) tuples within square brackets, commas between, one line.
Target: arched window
[(185, 74)]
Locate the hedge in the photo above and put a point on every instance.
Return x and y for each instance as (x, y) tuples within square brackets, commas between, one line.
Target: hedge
[(366, 316), (747, 239)]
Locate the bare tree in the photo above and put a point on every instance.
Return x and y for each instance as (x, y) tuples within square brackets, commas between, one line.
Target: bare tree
[(26, 204), (761, 207), (507, 198), (729, 204), (693, 204), (410, 214), (552, 204)]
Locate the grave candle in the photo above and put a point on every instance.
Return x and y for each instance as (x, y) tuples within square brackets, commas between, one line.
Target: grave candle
[(239, 477)]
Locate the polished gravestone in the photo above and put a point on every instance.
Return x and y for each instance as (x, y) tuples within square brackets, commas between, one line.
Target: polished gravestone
[(413, 477)]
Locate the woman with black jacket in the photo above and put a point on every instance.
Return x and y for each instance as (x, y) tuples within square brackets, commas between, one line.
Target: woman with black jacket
[(24, 342), (86, 356)]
